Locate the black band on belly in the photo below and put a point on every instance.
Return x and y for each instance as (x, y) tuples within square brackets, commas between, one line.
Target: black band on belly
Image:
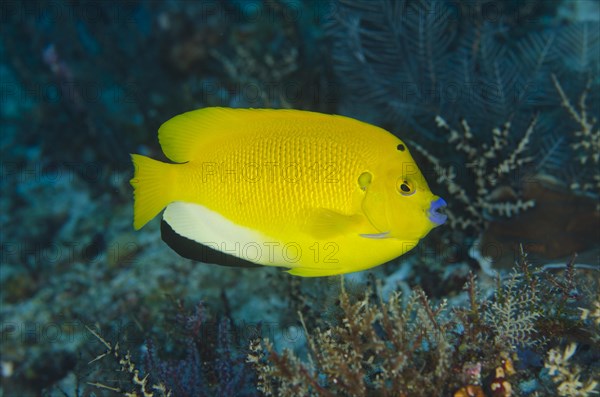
[(199, 252)]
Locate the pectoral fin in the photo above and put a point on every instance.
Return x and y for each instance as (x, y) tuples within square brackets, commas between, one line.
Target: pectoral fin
[(324, 223)]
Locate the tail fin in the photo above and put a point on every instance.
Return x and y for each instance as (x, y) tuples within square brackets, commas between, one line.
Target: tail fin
[(152, 188)]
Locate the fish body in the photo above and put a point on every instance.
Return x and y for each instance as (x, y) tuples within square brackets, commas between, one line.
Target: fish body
[(313, 193)]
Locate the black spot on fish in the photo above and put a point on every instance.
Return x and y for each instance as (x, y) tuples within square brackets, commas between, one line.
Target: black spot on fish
[(364, 180), (199, 252)]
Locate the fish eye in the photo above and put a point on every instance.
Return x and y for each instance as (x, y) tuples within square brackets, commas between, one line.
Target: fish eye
[(406, 188), (401, 147)]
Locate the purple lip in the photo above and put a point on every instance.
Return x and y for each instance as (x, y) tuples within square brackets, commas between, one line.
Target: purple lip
[(435, 216)]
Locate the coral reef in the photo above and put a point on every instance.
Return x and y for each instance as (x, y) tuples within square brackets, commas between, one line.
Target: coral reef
[(587, 141), (489, 179), (212, 363), (417, 348), (566, 376)]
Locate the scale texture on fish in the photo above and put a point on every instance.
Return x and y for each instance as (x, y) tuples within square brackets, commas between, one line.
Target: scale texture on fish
[(315, 194)]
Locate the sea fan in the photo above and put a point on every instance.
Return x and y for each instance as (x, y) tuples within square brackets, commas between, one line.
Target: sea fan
[(393, 55), (407, 62)]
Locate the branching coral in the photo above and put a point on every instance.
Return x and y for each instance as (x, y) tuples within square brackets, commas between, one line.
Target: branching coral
[(492, 167), (139, 386), (378, 348), (406, 345), (513, 315), (211, 364), (593, 314), (417, 348), (566, 375), (587, 144)]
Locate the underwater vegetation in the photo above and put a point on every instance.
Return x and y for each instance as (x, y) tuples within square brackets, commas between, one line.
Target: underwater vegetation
[(212, 362), (537, 334), (509, 343), (498, 102)]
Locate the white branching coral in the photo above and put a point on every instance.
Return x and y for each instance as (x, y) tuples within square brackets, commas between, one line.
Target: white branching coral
[(513, 315), (591, 315), (587, 144), (491, 166), (568, 376), (142, 386), (589, 133)]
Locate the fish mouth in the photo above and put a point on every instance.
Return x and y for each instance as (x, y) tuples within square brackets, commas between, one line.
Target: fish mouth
[(434, 214)]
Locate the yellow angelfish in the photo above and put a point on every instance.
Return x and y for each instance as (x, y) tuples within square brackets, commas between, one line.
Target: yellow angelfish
[(312, 193)]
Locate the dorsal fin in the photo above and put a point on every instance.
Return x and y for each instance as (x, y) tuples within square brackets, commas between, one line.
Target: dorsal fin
[(183, 135)]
